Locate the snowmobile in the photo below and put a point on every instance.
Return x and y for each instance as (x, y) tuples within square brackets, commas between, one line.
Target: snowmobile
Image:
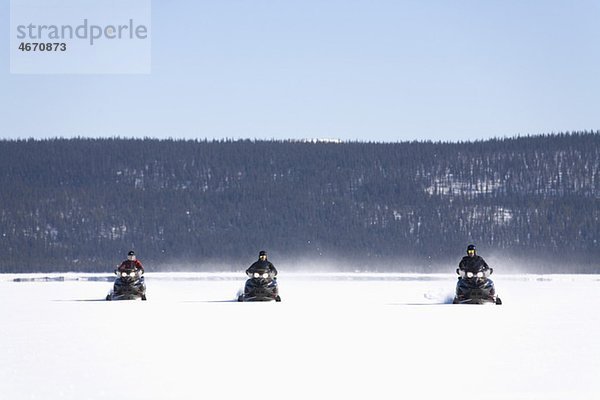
[(474, 287), (262, 286), (129, 285)]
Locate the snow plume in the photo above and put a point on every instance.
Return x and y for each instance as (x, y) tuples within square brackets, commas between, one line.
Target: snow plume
[(505, 263)]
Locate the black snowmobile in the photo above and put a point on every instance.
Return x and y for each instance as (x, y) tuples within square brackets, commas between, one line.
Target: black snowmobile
[(474, 287), (129, 285), (262, 286)]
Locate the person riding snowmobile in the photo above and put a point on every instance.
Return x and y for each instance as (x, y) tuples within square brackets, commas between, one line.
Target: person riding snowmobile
[(474, 285), (262, 264), (262, 282), (130, 283)]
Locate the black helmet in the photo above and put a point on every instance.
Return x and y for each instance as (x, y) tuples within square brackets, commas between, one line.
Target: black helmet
[(131, 253), (472, 248), (262, 253)]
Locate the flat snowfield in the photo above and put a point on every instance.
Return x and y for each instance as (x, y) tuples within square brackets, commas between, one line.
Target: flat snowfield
[(333, 336)]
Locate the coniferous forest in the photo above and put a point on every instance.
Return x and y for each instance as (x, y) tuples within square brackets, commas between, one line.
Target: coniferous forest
[(81, 204)]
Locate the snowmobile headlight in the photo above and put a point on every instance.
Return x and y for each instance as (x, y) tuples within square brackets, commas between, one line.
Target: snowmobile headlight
[(480, 274), (469, 274), (265, 275), (132, 274), (256, 275), (124, 274)]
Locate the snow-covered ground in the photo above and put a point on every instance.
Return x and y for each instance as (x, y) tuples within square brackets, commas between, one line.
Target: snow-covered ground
[(332, 337)]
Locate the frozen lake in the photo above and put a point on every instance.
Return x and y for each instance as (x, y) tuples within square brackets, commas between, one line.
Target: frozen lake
[(334, 336)]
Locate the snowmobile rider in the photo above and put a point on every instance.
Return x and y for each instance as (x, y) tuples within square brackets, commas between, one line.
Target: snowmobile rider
[(473, 263), (131, 263), (261, 265), (137, 280)]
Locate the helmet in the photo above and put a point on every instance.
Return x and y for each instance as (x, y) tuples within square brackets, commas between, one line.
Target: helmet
[(262, 253), (131, 255), (471, 249)]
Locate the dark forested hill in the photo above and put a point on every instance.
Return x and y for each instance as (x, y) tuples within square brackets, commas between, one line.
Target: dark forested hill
[(80, 204)]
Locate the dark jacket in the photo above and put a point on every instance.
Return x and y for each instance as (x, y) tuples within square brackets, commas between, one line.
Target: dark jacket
[(473, 264), (128, 264), (261, 266)]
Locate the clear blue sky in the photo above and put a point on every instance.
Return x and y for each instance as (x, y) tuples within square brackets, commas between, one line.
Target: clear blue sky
[(348, 69)]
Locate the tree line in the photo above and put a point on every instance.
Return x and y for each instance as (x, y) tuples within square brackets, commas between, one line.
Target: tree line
[(81, 204)]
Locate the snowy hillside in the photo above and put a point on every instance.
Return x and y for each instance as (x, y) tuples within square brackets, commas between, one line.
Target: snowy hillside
[(385, 207), (332, 337)]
